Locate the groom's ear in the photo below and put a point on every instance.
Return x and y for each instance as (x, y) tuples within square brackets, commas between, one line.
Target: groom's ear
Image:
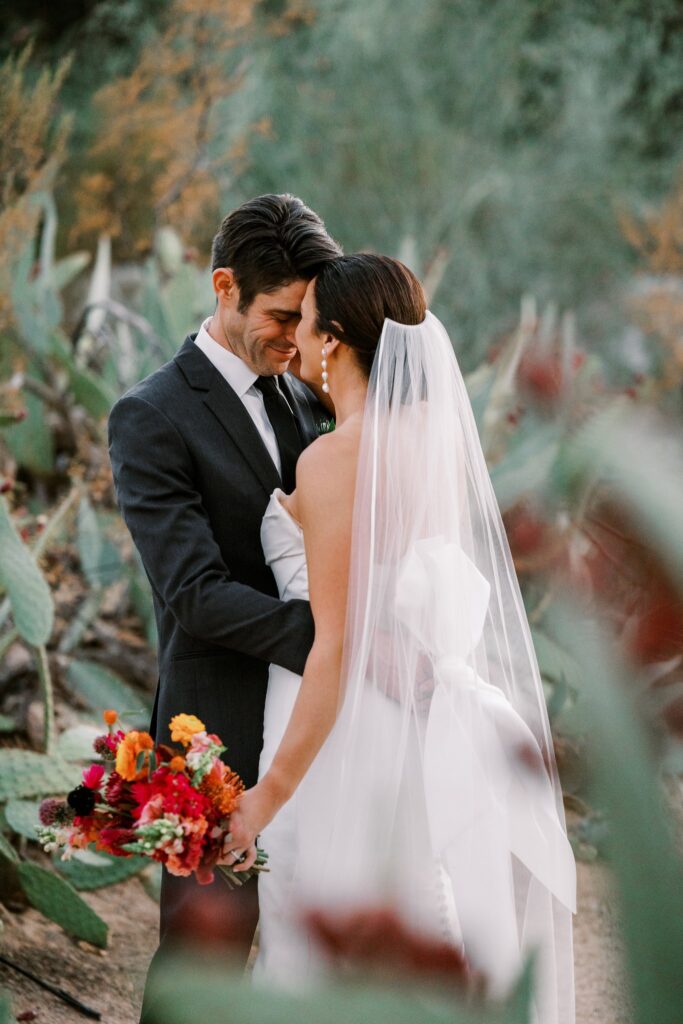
[(225, 285)]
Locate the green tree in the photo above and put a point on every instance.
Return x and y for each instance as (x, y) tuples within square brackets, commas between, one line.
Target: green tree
[(492, 146)]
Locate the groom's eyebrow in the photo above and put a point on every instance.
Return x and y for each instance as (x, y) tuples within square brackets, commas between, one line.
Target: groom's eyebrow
[(284, 312)]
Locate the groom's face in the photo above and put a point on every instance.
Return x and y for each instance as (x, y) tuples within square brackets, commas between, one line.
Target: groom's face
[(262, 335)]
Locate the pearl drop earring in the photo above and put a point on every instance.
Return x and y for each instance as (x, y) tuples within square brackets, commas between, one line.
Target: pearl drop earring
[(326, 386)]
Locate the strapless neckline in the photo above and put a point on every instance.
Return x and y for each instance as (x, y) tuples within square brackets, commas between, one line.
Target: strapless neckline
[(276, 499), (282, 540)]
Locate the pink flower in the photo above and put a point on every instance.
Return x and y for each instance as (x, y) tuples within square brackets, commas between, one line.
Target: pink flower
[(201, 741), (113, 739), (92, 776), (153, 809)]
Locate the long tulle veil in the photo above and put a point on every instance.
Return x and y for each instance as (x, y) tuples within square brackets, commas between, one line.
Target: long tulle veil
[(437, 791)]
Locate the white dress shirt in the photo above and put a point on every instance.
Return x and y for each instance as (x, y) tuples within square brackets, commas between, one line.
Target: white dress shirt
[(241, 380)]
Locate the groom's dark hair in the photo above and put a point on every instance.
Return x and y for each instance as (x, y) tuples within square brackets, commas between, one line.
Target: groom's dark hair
[(269, 242)]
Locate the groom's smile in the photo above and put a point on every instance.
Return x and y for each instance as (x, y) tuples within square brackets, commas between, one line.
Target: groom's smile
[(262, 335)]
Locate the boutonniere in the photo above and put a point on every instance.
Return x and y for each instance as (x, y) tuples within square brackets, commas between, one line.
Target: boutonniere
[(325, 426)]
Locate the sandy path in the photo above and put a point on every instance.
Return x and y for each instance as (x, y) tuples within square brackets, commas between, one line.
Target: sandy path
[(111, 981)]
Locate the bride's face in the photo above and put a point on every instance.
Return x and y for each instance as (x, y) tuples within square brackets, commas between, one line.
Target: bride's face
[(308, 339)]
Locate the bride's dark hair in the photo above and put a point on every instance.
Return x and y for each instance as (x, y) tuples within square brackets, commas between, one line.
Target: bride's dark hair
[(355, 294)]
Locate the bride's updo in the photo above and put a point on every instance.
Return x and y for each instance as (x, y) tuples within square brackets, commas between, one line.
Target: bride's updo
[(355, 294)]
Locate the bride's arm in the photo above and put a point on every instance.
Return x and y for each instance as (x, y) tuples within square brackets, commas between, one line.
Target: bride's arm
[(325, 488)]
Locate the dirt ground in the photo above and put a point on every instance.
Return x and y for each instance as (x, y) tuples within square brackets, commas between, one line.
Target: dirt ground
[(111, 980)]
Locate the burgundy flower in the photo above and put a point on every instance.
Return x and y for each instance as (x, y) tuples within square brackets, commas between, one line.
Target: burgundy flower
[(377, 939), (102, 748), (82, 800), (114, 839), (116, 789), (527, 534), (54, 811)]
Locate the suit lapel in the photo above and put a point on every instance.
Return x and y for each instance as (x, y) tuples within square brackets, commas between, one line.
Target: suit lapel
[(228, 409)]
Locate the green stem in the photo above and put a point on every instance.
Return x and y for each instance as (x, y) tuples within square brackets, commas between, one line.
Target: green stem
[(48, 699), (54, 522), (7, 641), (5, 609), (236, 879)]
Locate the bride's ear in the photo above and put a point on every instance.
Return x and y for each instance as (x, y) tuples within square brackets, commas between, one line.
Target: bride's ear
[(331, 340)]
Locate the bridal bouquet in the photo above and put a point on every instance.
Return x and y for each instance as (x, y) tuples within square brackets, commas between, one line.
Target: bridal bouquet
[(170, 805)]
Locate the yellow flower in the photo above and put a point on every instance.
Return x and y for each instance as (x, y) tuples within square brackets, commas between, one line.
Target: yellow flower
[(183, 728)]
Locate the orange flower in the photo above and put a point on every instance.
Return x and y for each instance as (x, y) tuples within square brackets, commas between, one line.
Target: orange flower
[(82, 839), (183, 728), (127, 753), (110, 717), (223, 787), (177, 764)]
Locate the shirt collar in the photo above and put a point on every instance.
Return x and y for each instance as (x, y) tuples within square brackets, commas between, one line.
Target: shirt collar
[(233, 369)]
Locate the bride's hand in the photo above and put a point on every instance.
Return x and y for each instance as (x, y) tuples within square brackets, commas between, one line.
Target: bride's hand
[(256, 809)]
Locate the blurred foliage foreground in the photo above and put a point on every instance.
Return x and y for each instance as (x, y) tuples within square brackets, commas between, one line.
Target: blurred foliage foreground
[(589, 476)]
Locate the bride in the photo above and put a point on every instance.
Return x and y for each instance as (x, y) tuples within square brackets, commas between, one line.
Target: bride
[(412, 764)]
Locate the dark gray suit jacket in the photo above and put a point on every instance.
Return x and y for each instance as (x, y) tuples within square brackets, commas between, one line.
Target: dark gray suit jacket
[(193, 478)]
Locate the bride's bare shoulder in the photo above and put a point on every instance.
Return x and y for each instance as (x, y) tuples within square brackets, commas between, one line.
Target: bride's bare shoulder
[(326, 470)]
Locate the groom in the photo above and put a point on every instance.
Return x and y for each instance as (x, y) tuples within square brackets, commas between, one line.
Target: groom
[(196, 450)]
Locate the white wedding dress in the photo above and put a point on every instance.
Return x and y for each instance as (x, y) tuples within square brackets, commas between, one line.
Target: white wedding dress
[(280, 957), (424, 894), (286, 958), (445, 807)]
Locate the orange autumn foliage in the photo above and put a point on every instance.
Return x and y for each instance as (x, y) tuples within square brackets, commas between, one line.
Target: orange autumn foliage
[(33, 146), (657, 307), (159, 158)]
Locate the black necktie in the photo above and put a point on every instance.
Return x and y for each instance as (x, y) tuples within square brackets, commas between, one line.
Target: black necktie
[(285, 428)]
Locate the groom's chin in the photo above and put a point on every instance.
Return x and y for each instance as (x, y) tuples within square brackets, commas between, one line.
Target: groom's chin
[(279, 362)]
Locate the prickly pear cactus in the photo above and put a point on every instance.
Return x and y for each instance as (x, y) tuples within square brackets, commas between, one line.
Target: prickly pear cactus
[(59, 901), (7, 850), (87, 875), (24, 773), (22, 817), (9, 419), (27, 590), (6, 1015)]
